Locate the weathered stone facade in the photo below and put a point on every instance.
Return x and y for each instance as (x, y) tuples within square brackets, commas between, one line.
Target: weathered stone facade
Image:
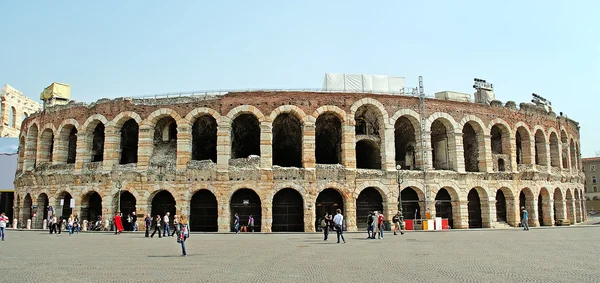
[(287, 156), (14, 109)]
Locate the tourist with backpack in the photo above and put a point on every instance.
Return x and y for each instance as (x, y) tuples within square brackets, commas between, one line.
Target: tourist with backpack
[(324, 223), (184, 229), (397, 224), (370, 226)]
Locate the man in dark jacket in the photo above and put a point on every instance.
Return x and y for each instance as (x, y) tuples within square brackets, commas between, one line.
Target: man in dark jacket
[(148, 223)]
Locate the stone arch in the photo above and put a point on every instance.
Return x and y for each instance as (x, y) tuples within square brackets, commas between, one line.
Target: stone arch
[(473, 140), (246, 109), (288, 211), (341, 114), (287, 139), (500, 145), (253, 206), (380, 187), (554, 148), (94, 137), (46, 143), (329, 137), (442, 129), (123, 117), (541, 157), (505, 206), (523, 139), (203, 123), (447, 205), (407, 138), (162, 201), (527, 200), (204, 210), (158, 114), (291, 109), (31, 147), (92, 121), (124, 125), (280, 186), (201, 111), (66, 145), (370, 101)]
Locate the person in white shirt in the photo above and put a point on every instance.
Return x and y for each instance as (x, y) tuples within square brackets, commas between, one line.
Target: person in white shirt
[(167, 229), (3, 222), (338, 221)]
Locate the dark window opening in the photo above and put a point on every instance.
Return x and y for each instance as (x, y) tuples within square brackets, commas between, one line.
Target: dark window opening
[(368, 155), (72, 146), (164, 153), (471, 149), (162, 203), (92, 207), (288, 211), (367, 121), (474, 209), (127, 203), (410, 204), (98, 143), (287, 141), (501, 165), (328, 139), (204, 139), (554, 151), (369, 200), (246, 202), (328, 201), (496, 140), (204, 212), (540, 209), (439, 145), (405, 142), (500, 206), (443, 206), (245, 135), (129, 142), (540, 148)]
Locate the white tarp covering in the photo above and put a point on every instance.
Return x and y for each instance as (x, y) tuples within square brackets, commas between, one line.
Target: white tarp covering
[(454, 96), (484, 96), (363, 83)]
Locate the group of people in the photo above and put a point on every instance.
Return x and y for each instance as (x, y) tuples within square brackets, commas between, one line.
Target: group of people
[(375, 225), (335, 223), (236, 224), (181, 228), (71, 224)]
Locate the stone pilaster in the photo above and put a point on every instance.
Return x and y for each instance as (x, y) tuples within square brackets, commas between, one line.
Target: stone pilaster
[(388, 152), (348, 147), (266, 146), (428, 150), (512, 212), (309, 146), (561, 211), (578, 210), (184, 146), (513, 155), (223, 149), (548, 208), (266, 216), (112, 148), (486, 163), (145, 146), (350, 212), (488, 212), (83, 154), (460, 214), (456, 152), (531, 206)]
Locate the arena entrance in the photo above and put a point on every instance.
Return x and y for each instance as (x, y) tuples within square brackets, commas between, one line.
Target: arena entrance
[(204, 212), (288, 211), (128, 203), (368, 200), (328, 201), (443, 206), (410, 204), (91, 207), (474, 209), (43, 203), (500, 206), (27, 204), (246, 202), (66, 210), (162, 203), (540, 207)]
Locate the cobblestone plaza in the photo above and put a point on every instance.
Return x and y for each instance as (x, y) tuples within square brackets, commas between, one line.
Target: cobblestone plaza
[(565, 254)]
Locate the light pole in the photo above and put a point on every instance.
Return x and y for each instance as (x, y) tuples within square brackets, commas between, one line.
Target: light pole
[(118, 185), (400, 176)]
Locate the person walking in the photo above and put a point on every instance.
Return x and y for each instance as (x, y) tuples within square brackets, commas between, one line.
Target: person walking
[(175, 226), (380, 225), (325, 226), (236, 223), (129, 222), (76, 224), (117, 220), (184, 233), (250, 223), (338, 221), (524, 219), (70, 223), (148, 224), (134, 220), (3, 222), (397, 224), (370, 226), (156, 226), (166, 229)]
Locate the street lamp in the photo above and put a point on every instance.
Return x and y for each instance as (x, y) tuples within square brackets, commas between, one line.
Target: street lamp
[(118, 185), (400, 176)]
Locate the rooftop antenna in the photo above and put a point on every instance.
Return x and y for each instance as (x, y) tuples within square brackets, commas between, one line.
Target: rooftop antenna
[(421, 93)]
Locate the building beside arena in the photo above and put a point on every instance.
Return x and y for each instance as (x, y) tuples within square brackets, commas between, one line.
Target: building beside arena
[(286, 157)]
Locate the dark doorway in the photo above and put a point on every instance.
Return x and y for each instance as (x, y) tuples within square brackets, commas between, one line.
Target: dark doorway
[(43, 204), (443, 206), (368, 155), (204, 212), (405, 143), (501, 165), (246, 202), (245, 137), (72, 146), (128, 203), (27, 204), (129, 142), (288, 211), (496, 140), (92, 207), (540, 208), (500, 206), (328, 131), (162, 203), (6, 204), (368, 200), (66, 207), (474, 209), (98, 143), (328, 201), (471, 148), (410, 204), (204, 139), (439, 146), (287, 141)]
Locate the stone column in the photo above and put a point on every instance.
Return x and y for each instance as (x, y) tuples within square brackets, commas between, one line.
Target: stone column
[(456, 152), (571, 208), (266, 146), (223, 149), (59, 156), (486, 162), (578, 210), (548, 217), (309, 145), (112, 147), (460, 214), (488, 213), (388, 152), (4, 116), (145, 146), (225, 216), (83, 154), (184, 145), (266, 216), (428, 150), (513, 155), (561, 212), (350, 212), (348, 147), (531, 206)]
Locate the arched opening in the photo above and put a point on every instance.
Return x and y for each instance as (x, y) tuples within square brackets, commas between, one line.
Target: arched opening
[(204, 139), (128, 203), (410, 204), (27, 205), (496, 140), (565, 149), (368, 200), (328, 139), (65, 204), (570, 204), (554, 150), (367, 155), (573, 155), (328, 201), (577, 206), (129, 142), (12, 120), (540, 207), (523, 146), (98, 143), (501, 165), (526, 199), (288, 211), (500, 206), (43, 203), (405, 142), (162, 203), (471, 148), (287, 141), (245, 137), (91, 207), (559, 208), (368, 137), (204, 212), (31, 148), (544, 202), (71, 143), (46, 146), (246, 202), (443, 206), (474, 209), (540, 148), (440, 146), (164, 153)]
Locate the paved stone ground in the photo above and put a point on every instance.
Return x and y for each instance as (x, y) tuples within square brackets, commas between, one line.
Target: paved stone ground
[(563, 254)]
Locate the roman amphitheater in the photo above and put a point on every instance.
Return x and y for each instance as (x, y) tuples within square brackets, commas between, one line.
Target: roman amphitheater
[(286, 157)]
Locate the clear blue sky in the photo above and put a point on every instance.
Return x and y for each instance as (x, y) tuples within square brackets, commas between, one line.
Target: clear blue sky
[(130, 48)]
